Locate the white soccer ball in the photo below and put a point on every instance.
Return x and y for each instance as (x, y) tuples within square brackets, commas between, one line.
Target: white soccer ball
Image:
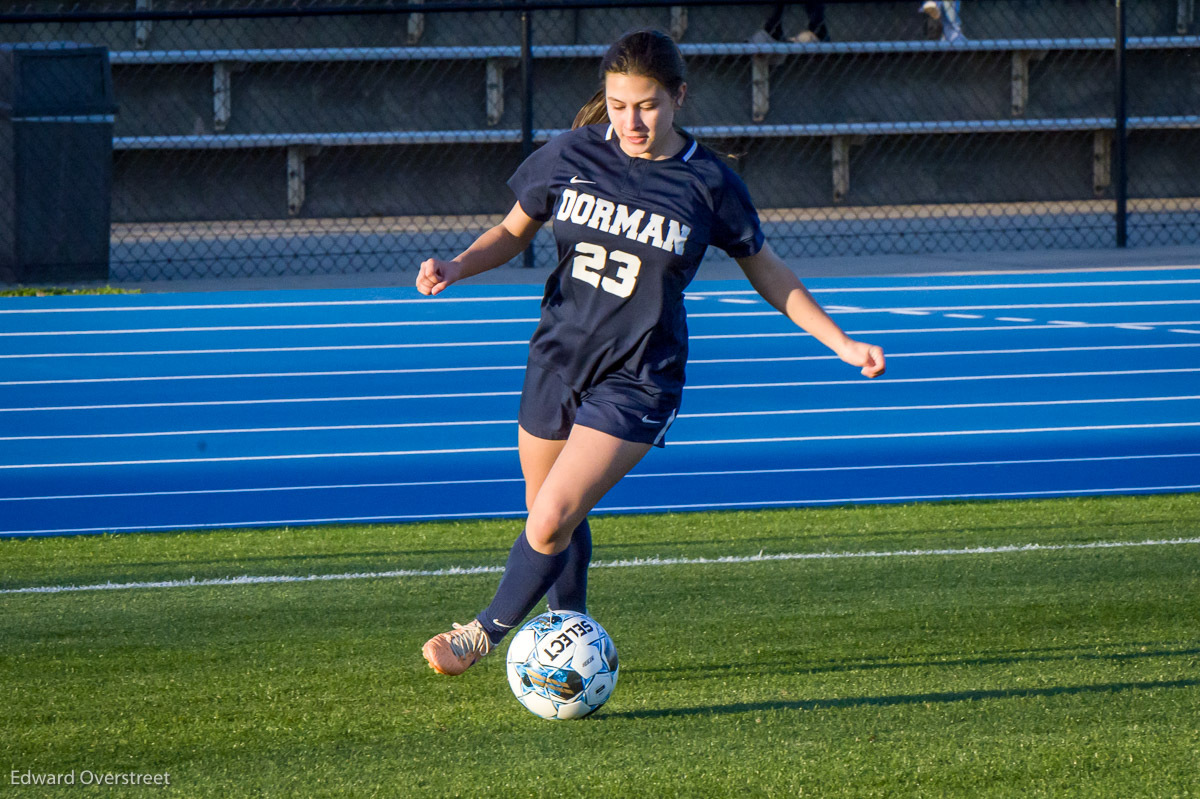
[(562, 665)]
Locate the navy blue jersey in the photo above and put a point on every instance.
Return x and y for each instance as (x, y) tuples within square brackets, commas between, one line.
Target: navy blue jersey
[(630, 234)]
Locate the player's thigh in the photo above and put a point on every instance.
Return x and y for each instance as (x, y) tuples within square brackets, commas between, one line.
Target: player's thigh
[(537, 458), (588, 466)]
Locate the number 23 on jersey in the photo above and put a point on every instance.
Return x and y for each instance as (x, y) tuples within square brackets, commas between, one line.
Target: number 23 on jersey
[(589, 263)]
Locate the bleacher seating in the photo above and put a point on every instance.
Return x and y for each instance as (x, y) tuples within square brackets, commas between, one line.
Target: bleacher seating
[(281, 131), (1014, 56)]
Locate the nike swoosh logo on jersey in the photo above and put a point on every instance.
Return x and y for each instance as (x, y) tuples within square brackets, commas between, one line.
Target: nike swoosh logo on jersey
[(578, 179), (648, 420)]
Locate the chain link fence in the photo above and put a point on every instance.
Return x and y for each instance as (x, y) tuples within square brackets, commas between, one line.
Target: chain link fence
[(293, 138)]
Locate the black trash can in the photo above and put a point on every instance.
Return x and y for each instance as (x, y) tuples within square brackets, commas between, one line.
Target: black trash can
[(56, 130)]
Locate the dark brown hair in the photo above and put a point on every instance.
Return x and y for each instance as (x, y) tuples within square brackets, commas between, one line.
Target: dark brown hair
[(647, 52)]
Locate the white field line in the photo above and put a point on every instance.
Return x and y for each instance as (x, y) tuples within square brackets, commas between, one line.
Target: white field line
[(634, 563), (443, 300), (709, 442), (481, 422), (631, 476)]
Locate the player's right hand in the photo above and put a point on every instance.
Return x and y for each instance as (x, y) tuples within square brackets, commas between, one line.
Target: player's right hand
[(436, 275)]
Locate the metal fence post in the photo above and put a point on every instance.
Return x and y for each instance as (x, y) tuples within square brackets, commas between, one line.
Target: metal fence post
[(1120, 149), (527, 101)]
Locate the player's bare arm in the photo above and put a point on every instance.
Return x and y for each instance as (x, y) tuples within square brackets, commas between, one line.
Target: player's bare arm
[(496, 246), (779, 286)]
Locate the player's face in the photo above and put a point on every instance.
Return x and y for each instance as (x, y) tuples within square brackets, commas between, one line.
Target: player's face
[(642, 113)]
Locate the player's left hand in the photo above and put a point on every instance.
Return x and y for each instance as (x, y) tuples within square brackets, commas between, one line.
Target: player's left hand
[(868, 356)]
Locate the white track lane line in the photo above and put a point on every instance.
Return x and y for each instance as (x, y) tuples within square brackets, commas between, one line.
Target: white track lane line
[(936, 434), (453, 299), (248, 430), (905, 331), (969, 287), (269, 375), (691, 361), (631, 563), (268, 350), (858, 409), (485, 394), (957, 311), (627, 509), (244, 306), (910, 311), (632, 476), (704, 442), (949, 353), (441, 369), (525, 342), (249, 328), (943, 379), (285, 401)]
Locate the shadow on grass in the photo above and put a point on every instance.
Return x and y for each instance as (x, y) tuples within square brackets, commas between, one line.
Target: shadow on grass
[(1034, 656), (900, 699)]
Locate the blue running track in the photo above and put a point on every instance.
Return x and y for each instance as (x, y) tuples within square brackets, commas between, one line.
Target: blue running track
[(171, 411)]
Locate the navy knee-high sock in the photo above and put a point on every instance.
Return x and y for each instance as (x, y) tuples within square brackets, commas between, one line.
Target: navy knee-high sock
[(569, 592), (527, 576)]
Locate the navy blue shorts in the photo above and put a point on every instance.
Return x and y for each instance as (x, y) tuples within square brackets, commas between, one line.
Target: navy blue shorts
[(549, 408)]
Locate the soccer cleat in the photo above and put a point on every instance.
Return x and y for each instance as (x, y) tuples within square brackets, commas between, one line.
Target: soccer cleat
[(454, 652)]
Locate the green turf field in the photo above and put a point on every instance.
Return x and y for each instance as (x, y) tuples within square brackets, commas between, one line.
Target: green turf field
[(1048, 672)]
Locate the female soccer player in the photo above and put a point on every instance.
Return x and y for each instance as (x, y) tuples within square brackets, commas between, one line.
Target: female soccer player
[(635, 203)]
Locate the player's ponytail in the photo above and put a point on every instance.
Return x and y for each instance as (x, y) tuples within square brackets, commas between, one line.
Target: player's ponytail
[(594, 111), (647, 52)]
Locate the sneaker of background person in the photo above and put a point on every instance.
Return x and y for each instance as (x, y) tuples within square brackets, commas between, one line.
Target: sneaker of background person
[(945, 14)]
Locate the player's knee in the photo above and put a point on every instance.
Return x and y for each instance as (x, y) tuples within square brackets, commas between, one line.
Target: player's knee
[(549, 527)]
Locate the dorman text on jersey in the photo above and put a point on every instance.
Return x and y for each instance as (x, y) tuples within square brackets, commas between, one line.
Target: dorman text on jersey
[(618, 219)]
